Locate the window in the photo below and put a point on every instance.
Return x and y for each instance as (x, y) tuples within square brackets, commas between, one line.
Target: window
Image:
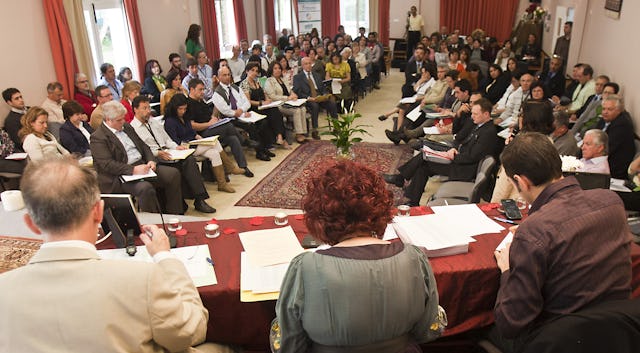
[(285, 18), (354, 14), (227, 33), (108, 34)]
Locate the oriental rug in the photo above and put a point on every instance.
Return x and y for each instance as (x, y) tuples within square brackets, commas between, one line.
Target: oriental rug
[(16, 252), (285, 186)]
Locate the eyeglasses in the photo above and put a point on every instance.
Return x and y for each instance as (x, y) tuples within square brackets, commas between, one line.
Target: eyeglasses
[(83, 81), (108, 95)]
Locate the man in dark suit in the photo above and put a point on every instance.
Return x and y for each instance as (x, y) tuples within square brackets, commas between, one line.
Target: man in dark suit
[(412, 71), (464, 158), (616, 122), (117, 150), (307, 84), (552, 79), (12, 124)]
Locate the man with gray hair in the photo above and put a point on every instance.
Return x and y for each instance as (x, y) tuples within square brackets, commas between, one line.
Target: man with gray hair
[(117, 151), (53, 104), (132, 306), (595, 148), (617, 123), (563, 140)]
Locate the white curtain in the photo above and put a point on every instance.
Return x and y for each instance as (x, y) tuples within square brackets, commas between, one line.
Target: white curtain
[(80, 38)]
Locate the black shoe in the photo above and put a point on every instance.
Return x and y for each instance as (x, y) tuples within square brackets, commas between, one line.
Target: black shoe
[(393, 136), (262, 156), (315, 135), (269, 153), (395, 179), (247, 172), (202, 206), (376, 86), (383, 117)]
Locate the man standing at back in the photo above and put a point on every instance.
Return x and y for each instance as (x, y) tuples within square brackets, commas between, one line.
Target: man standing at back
[(91, 304), (572, 252)]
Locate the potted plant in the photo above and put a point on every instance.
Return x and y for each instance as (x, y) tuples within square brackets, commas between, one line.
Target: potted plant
[(342, 129)]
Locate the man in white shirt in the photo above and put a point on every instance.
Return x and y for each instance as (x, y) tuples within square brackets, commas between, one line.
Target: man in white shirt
[(595, 148), (160, 143), (53, 103), (509, 116), (236, 64), (415, 23)]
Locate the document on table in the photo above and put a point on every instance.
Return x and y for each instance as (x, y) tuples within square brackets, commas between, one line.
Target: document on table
[(180, 154), (271, 246), (408, 100), (336, 86), (128, 178), (207, 141), (618, 185), (389, 232), (194, 259), (271, 105), (468, 220), (503, 244), (260, 279), (254, 117), (414, 114), (433, 233), (296, 102)]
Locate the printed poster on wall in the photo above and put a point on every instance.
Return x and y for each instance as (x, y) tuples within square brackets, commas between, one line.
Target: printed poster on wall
[(309, 15)]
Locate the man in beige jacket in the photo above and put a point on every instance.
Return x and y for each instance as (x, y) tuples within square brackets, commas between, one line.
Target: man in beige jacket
[(68, 299)]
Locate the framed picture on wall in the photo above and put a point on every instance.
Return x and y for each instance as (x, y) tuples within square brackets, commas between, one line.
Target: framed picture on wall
[(613, 8)]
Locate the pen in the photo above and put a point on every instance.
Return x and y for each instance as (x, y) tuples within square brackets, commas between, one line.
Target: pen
[(210, 261), (505, 220)]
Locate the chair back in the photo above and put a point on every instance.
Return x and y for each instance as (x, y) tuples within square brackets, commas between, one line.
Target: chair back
[(483, 177)]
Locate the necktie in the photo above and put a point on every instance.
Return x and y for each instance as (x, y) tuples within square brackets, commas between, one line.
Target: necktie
[(418, 66), (232, 100), (312, 86), (606, 126)]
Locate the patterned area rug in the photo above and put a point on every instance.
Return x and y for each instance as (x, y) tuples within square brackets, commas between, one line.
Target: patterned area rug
[(16, 252), (285, 186)]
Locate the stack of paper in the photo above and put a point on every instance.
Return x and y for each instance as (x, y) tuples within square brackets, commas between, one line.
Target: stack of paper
[(408, 100), (207, 141), (264, 263), (180, 154), (297, 102), (128, 178), (475, 222), (271, 105), (433, 233), (254, 117), (195, 259)]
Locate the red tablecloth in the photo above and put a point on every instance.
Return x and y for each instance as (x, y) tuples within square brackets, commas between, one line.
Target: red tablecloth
[(467, 283)]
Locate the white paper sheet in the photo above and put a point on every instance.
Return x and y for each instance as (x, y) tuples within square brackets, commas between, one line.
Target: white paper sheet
[(194, 258), (271, 246), (437, 115), (208, 141), (180, 154), (297, 102), (431, 130), (432, 232), (618, 185), (414, 114), (271, 105), (150, 174), (408, 100), (389, 233), (507, 239), (255, 117), (336, 86), (17, 156), (260, 279), (475, 221)]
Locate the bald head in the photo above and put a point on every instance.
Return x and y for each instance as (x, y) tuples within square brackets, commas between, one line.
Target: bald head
[(59, 209), (224, 75), (307, 64)]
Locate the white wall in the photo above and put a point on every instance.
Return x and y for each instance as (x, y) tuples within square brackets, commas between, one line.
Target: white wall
[(27, 63), (164, 26), (429, 9)]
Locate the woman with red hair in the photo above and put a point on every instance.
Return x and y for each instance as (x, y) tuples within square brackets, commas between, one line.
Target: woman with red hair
[(363, 294)]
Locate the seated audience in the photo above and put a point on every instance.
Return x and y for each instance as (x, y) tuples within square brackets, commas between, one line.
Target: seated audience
[(117, 150), (75, 133), (276, 89), (153, 135), (588, 116), (318, 310), (205, 73), (12, 124), (504, 55), (594, 152), (412, 71), (174, 86), (553, 79), (154, 82), (552, 267), (530, 51), (38, 142), (192, 72), (464, 157), (340, 71), (53, 103), (586, 88), (164, 312), (84, 95), (563, 140), (498, 84), (175, 60), (130, 90), (509, 117), (206, 124), (180, 131), (309, 85), (109, 79), (618, 125), (236, 64), (125, 75)]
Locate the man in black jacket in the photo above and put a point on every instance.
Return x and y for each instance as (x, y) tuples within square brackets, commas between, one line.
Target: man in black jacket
[(617, 123), (464, 157)]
